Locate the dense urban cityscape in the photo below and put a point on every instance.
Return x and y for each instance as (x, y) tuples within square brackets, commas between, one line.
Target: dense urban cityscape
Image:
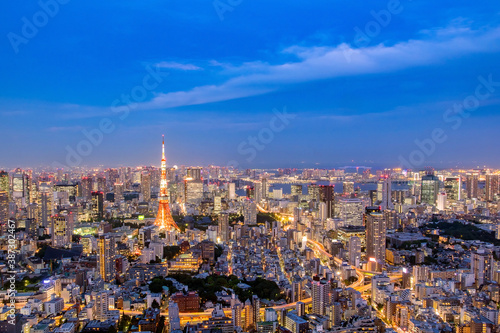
[(217, 249), (237, 166)]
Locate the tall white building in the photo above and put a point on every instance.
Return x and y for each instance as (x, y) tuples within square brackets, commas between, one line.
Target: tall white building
[(173, 314), (442, 200), (231, 190), (351, 211), (354, 251), (249, 212), (320, 295)]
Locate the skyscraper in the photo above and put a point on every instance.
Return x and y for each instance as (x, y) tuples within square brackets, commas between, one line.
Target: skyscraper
[(442, 201), (296, 192), (384, 193), (106, 254), (472, 186), (375, 238), (97, 205), (351, 211), (326, 195), (492, 186), (5, 182), (194, 173), (4, 206), (257, 191), (86, 187), (164, 218), (347, 188), (354, 251), (231, 191), (320, 295), (45, 204), (296, 291), (62, 229), (429, 189), (146, 186), (313, 192), (482, 266), (224, 227), (453, 188), (249, 212)]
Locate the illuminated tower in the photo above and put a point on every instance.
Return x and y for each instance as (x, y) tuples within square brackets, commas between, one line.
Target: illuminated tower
[(164, 218)]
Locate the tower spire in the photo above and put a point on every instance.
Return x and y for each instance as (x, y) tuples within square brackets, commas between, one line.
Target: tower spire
[(164, 218)]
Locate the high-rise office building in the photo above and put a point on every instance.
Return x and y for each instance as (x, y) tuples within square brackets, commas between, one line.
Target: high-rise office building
[(257, 185), (256, 308), (45, 204), (231, 191), (97, 205), (472, 186), (265, 188), (442, 201), (62, 229), (481, 265), (313, 192), (384, 193), (217, 204), (224, 227), (146, 186), (296, 192), (4, 206), (249, 212), (5, 182), (87, 184), (19, 184), (193, 191), (429, 189), (492, 186), (106, 255), (351, 211), (354, 251), (320, 295), (453, 188), (194, 173), (101, 184), (347, 188), (296, 291), (327, 195), (375, 238), (118, 192)]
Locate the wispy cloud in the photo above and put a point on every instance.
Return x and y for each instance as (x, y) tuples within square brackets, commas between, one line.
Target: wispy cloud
[(317, 63), (178, 66), (64, 128)]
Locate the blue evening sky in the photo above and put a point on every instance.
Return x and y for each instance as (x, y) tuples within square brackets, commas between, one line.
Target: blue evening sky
[(223, 66)]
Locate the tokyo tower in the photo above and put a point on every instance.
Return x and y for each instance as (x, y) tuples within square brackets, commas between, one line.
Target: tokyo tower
[(164, 218)]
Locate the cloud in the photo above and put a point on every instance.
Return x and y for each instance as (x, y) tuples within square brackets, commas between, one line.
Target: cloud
[(317, 63), (64, 128), (179, 66)]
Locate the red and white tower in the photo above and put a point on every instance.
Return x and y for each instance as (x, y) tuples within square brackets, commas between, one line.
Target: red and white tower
[(164, 218)]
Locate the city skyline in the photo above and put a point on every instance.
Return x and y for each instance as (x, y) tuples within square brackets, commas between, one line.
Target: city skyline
[(363, 83)]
